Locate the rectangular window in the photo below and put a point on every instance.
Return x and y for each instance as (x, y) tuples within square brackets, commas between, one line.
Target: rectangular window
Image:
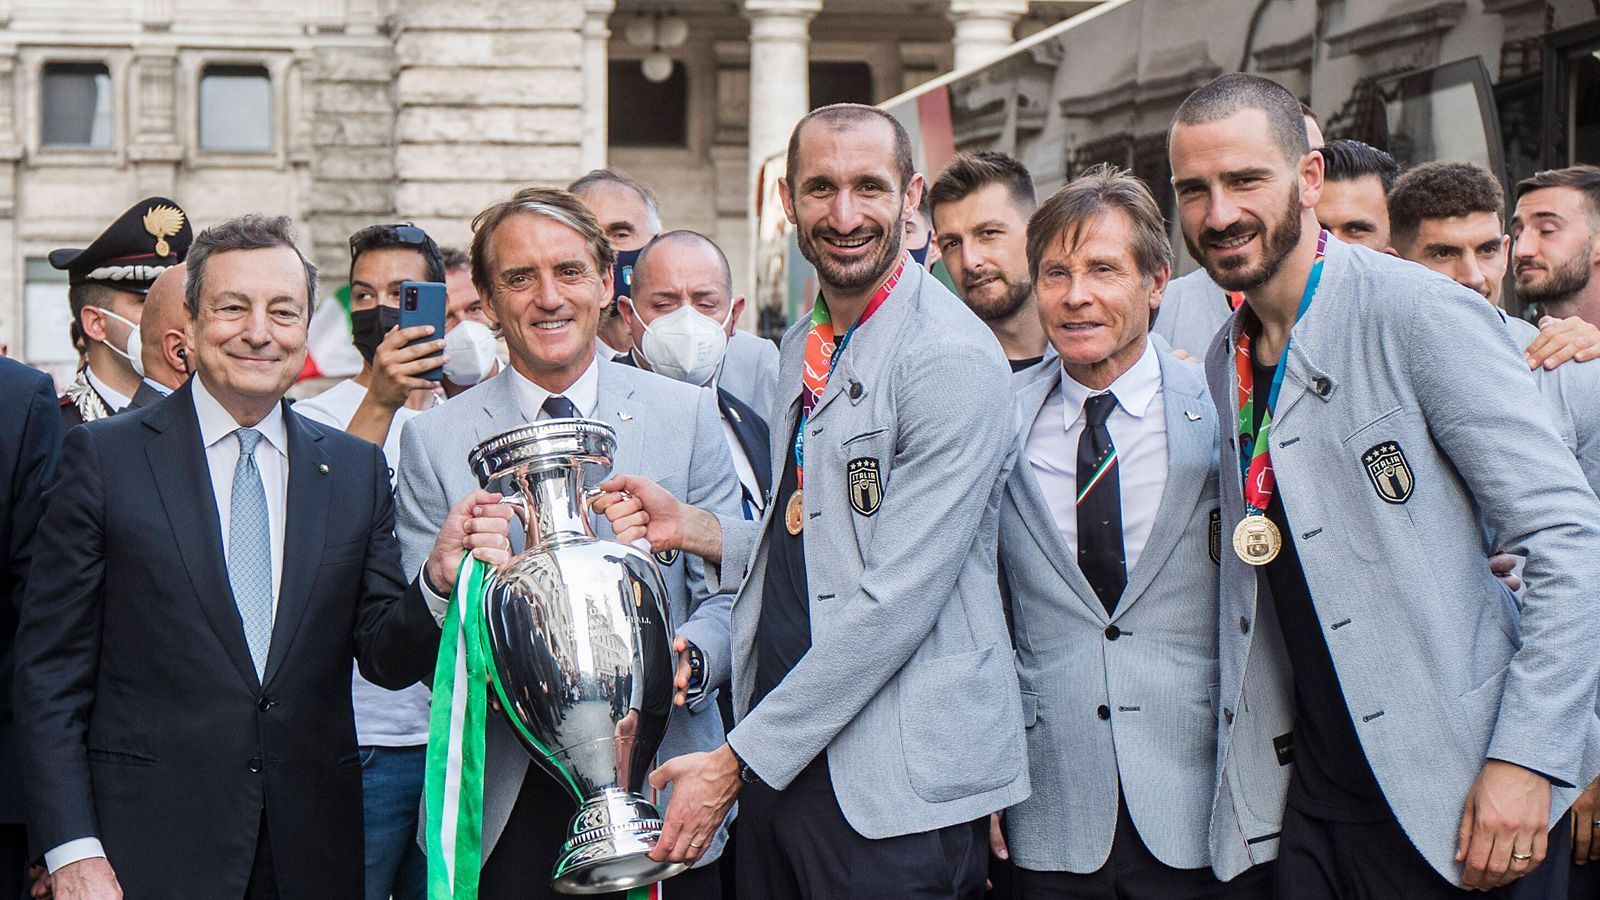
[(840, 82), (47, 319), (236, 109), (75, 106), (645, 113)]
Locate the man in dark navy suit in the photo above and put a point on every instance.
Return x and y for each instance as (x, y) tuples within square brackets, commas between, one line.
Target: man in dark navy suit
[(207, 568), (30, 440)]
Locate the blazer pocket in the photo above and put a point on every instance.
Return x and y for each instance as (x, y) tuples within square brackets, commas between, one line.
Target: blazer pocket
[(121, 758), (947, 756), (347, 552), (868, 434)]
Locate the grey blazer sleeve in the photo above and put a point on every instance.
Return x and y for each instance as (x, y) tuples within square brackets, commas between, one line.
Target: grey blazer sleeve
[(953, 443), (739, 539), (1460, 354), (713, 486), (422, 502)]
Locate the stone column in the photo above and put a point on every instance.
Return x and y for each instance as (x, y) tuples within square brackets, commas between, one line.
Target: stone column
[(984, 28), (596, 89), (780, 76), (154, 149)]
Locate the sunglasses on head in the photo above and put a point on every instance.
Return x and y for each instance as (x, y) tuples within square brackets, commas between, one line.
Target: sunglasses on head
[(404, 233)]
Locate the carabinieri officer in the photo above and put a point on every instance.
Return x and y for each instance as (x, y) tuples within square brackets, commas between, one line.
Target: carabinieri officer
[(1440, 729)]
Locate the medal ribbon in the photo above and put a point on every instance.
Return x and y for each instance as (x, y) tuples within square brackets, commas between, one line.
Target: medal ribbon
[(822, 353), (1255, 457)]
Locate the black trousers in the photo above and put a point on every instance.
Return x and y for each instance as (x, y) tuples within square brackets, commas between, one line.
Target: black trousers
[(519, 867), (795, 844), (14, 882), (1322, 860), (263, 883), (1134, 873)]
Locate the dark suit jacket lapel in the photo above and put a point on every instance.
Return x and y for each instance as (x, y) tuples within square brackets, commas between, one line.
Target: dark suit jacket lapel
[(183, 482), (754, 437), (304, 530)]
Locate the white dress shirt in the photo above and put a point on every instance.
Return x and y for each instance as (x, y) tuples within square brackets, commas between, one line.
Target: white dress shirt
[(1138, 427), (217, 436), (158, 386), (754, 501), (115, 400)]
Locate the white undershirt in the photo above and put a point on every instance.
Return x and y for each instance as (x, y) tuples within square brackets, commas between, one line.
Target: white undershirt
[(1138, 427)]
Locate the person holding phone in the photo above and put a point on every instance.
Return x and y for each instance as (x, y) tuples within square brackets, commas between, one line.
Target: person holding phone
[(391, 388)]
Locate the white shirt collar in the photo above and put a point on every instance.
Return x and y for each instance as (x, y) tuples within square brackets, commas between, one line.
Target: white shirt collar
[(217, 423), (113, 399), (163, 389), (584, 393), (1134, 388)]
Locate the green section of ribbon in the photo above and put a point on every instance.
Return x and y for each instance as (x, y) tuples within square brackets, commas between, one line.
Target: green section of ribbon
[(454, 778)]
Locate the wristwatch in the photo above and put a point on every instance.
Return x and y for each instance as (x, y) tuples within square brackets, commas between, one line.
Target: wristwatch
[(697, 674), (747, 775)]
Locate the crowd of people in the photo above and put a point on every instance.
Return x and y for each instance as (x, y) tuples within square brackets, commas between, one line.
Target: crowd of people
[(1263, 581)]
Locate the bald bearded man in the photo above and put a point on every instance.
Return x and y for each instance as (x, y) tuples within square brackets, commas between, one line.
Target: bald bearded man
[(163, 343)]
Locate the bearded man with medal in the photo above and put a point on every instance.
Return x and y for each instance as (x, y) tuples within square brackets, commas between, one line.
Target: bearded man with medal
[(879, 721), (1392, 722)]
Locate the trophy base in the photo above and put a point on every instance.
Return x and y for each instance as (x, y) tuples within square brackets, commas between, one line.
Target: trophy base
[(608, 846)]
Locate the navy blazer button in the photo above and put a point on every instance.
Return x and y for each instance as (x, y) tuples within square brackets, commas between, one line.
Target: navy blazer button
[(1113, 632), (266, 704), (855, 390), (255, 764), (1323, 386), (1103, 712), (1227, 716), (1244, 625)]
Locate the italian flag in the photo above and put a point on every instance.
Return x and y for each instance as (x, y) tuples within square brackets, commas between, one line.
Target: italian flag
[(331, 355)]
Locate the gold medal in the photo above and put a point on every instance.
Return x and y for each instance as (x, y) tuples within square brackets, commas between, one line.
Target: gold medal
[(1257, 540), (793, 518)]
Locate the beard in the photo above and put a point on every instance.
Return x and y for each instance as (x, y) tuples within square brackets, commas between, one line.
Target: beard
[(1236, 274), (857, 274), (1006, 305), (1563, 281)]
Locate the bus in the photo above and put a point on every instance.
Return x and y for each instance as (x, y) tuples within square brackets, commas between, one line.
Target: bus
[(1513, 85)]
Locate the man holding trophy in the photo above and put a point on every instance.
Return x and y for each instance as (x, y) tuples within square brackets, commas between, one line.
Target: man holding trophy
[(542, 264), (879, 719)]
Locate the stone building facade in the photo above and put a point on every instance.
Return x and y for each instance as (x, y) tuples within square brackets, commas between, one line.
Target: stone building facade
[(341, 113)]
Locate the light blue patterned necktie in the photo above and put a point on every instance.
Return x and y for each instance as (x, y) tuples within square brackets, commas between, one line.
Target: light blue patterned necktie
[(250, 550)]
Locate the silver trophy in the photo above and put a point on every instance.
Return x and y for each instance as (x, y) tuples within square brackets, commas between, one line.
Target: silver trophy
[(580, 642)]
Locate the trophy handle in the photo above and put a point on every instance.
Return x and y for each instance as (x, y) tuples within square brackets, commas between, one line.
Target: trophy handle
[(519, 506)]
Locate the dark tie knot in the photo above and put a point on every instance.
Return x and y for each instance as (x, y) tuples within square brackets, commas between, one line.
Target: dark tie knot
[(559, 407), (1098, 408), (248, 439)]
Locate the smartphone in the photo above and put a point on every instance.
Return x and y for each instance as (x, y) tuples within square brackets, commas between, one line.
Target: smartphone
[(423, 303)]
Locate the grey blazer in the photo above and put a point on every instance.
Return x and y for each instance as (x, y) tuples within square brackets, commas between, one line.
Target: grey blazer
[(1193, 309), (1153, 664), (750, 370), (910, 685), (1572, 391), (1386, 453), (666, 431)]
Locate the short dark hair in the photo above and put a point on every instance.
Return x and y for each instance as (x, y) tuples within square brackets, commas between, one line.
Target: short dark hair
[(399, 236), (685, 236), (551, 203), (248, 232), (842, 116), (1441, 190), (80, 297), (1102, 189), (456, 259), (1228, 95), (1347, 159), (621, 179), (1583, 179), (969, 172)]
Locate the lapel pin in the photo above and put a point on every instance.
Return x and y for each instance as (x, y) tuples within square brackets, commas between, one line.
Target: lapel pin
[(624, 417), (735, 413), (1191, 416), (323, 468)]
